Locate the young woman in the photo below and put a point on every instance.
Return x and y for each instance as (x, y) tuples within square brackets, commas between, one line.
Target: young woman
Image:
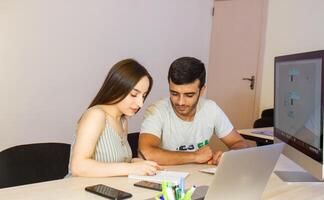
[(101, 148)]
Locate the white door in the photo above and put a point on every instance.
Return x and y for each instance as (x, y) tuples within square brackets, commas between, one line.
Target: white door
[(234, 56)]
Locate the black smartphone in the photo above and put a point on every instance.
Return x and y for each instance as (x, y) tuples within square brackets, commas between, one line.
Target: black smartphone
[(109, 192), (149, 185)]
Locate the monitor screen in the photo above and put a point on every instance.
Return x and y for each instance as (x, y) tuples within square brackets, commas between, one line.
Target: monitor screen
[(298, 108)]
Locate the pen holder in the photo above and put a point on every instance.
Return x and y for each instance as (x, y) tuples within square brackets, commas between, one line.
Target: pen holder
[(159, 196), (171, 191)]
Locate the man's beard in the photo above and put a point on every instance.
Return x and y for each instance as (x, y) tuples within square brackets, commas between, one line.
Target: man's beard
[(189, 111)]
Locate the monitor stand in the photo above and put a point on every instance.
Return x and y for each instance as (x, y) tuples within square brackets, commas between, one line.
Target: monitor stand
[(296, 176)]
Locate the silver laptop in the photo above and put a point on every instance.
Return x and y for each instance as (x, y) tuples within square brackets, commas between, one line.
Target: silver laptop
[(243, 174)]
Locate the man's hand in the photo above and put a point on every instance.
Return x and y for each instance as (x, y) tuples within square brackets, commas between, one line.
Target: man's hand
[(216, 158), (204, 154)]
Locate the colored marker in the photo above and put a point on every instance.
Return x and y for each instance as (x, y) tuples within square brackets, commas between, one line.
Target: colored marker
[(189, 193)]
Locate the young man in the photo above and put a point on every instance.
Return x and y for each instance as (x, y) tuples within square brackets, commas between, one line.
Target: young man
[(177, 130)]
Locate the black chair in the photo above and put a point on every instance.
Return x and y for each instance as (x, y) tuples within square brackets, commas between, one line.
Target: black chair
[(267, 113), (32, 163), (266, 120), (263, 122), (133, 142)]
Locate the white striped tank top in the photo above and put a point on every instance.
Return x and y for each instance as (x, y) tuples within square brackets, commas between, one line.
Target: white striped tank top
[(110, 148)]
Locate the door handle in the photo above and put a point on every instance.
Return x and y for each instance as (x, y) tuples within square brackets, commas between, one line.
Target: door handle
[(252, 80)]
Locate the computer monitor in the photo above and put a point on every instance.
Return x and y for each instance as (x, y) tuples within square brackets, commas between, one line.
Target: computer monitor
[(298, 112)]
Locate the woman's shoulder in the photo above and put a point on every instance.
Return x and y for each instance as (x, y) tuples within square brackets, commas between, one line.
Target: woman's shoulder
[(93, 114), (92, 122)]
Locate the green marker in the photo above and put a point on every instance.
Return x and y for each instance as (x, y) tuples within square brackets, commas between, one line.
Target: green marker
[(164, 187), (189, 193)]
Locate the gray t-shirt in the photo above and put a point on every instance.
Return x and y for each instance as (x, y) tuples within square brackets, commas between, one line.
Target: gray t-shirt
[(178, 135)]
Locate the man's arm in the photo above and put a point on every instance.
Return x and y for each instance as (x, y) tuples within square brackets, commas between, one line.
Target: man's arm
[(149, 146), (233, 141)]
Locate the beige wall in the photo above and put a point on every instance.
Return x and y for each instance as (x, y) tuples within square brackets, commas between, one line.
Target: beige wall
[(293, 26), (54, 56)]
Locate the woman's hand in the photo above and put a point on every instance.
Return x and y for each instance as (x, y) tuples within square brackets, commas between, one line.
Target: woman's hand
[(136, 160), (144, 167)]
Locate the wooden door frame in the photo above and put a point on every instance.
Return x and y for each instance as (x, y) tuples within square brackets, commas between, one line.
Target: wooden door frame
[(259, 72)]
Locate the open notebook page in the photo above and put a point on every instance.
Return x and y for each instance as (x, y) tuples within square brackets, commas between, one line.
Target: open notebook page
[(160, 176)]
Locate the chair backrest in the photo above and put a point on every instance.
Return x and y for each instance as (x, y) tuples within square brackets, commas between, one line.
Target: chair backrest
[(267, 113), (32, 163), (263, 122), (266, 119), (133, 142)]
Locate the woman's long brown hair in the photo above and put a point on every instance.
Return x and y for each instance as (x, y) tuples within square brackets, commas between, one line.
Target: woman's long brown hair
[(120, 81)]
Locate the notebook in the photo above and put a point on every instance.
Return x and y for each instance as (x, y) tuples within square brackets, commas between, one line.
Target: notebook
[(243, 174), (210, 170), (172, 176)]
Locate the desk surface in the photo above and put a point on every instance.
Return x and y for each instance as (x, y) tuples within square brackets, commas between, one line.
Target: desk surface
[(252, 132), (73, 188)]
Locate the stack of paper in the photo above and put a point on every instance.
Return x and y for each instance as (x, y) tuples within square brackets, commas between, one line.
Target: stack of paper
[(210, 170), (162, 176)]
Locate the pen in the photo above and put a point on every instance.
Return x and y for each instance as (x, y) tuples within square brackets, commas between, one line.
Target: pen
[(170, 192), (177, 193), (164, 187), (141, 154), (181, 186), (158, 167)]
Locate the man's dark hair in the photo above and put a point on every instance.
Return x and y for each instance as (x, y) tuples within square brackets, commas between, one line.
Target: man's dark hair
[(186, 70)]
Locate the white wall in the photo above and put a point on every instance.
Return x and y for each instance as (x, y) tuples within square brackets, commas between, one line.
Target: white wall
[(293, 26), (54, 56)]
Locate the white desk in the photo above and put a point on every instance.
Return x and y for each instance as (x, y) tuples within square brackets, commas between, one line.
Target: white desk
[(249, 132), (73, 188), (261, 138)]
